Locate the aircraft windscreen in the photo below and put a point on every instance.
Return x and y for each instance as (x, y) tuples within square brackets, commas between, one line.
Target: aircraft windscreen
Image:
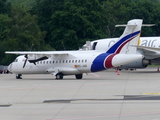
[(16, 60)]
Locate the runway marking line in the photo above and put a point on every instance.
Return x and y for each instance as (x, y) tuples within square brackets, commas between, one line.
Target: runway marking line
[(95, 74), (151, 93), (102, 116), (47, 87)]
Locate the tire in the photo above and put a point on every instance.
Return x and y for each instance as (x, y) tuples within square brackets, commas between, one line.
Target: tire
[(59, 76), (18, 76), (79, 76)]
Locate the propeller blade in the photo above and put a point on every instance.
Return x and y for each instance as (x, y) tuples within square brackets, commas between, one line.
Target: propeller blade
[(31, 47), (40, 59), (26, 56), (25, 63)]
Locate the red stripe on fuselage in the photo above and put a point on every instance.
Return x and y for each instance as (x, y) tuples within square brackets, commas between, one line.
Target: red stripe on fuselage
[(108, 61), (121, 46)]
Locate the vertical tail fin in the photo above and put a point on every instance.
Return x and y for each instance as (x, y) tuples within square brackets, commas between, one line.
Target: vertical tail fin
[(112, 58), (129, 37)]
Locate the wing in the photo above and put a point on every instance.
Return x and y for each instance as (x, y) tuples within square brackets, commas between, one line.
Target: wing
[(50, 54), (149, 52)]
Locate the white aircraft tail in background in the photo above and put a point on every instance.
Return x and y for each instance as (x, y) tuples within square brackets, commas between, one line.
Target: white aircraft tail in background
[(61, 63)]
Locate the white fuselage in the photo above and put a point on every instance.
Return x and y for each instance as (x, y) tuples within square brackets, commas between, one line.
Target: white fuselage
[(48, 66), (85, 62)]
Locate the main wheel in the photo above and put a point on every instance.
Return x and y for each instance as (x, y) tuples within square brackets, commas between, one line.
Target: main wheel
[(79, 76), (59, 76), (18, 76)]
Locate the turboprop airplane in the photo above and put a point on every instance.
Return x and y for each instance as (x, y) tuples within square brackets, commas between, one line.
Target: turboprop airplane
[(145, 46), (61, 63)]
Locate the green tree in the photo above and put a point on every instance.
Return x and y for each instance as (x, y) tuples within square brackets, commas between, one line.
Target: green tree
[(117, 12), (23, 33), (4, 29), (149, 11), (44, 9), (4, 26), (5, 7), (120, 11), (26, 4), (71, 22)]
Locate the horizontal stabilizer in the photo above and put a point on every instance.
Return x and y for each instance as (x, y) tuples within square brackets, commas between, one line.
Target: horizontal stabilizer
[(124, 25), (151, 49), (145, 25)]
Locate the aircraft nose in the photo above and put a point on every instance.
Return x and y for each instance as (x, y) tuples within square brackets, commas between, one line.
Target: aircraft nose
[(10, 67)]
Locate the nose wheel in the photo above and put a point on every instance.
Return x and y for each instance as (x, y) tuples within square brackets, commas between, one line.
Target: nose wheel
[(18, 76)]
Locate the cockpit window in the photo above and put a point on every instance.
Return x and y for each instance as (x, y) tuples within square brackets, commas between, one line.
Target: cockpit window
[(94, 45), (16, 60)]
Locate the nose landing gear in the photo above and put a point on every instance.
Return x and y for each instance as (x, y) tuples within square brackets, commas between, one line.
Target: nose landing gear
[(18, 76)]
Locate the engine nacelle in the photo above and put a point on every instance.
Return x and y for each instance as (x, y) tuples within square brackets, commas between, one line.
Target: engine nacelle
[(35, 57), (143, 63)]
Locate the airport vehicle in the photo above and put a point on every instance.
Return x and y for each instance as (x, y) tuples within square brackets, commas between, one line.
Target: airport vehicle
[(61, 63)]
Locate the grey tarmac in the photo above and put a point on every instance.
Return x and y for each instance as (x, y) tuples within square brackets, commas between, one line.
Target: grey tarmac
[(106, 95)]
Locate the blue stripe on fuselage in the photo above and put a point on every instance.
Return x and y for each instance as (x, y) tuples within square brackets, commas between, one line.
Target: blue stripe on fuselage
[(98, 62), (116, 45)]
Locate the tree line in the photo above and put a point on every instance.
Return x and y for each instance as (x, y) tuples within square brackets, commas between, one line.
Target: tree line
[(67, 24)]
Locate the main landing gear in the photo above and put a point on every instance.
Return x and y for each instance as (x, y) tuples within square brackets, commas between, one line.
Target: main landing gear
[(79, 76), (18, 76), (59, 76)]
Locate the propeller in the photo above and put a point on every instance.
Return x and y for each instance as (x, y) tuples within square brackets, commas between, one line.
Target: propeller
[(33, 61), (40, 59), (26, 56)]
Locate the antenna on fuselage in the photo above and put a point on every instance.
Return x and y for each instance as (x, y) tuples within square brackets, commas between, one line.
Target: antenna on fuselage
[(31, 47), (63, 46)]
